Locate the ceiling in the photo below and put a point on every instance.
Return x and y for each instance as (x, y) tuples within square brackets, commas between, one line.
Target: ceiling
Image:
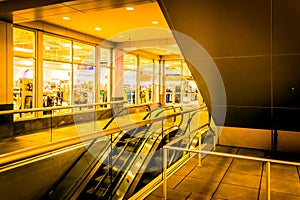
[(143, 24)]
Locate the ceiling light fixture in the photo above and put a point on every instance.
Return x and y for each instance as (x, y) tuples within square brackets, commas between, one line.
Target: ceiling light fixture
[(121, 36), (129, 8), (98, 29), (154, 22), (66, 18)]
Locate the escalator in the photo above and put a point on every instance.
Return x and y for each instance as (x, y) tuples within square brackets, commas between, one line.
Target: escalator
[(117, 166), (96, 151), (128, 161)]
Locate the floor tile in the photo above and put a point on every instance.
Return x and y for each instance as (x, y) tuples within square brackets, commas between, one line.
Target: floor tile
[(278, 196), (283, 171), (197, 186), (246, 167), (242, 180), (197, 196), (228, 191), (286, 186), (208, 173)]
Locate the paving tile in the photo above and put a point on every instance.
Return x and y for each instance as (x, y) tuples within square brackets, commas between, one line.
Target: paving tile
[(184, 170), (242, 179), (228, 191), (283, 171), (197, 186), (281, 185), (171, 194), (208, 173), (197, 196), (251, 152), (174, 180), (227, 149), (277, 196), (216, 161), (246, 167)]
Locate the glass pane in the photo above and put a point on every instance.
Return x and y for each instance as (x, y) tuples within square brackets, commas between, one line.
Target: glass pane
[(130, 62), (105, 60), (129, 86), (146, 80), (57, 84), (84, 84), (83, 53), (23, 85), (24, 43), (56, 48), (157, 83), (173, 81), (130, 67), (104, 83)]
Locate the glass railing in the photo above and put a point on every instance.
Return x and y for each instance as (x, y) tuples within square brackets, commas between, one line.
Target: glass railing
[(51, 124), (102, 151)]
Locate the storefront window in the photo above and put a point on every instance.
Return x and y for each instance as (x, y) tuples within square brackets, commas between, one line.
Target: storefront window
[(23, 71), (130, 71), (105, 68), (146, 80), (83, 53), (190, 91), (157, 83), (56, 48), (56, 84), (84, 84), (173, 81)]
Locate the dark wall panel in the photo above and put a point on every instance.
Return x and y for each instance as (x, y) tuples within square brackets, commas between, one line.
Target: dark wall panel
[(246, 117), (224, 28), (286, 78), (287, 119), (286, 26), (247, 80)]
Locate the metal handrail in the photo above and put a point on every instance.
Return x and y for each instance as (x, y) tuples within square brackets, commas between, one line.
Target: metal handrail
[(8, 158), (57, 108), (268, 161)]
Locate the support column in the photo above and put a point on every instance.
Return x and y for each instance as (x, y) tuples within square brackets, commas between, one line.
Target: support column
[(117, 90), (6, 79)]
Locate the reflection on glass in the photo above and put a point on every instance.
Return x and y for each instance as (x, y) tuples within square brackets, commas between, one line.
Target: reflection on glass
[(55, 48), (56, 84), (24, 43), (130, 67), (83, 53), (23, 85), (146, 80), (173, 81), (105, 60), (23, 71), (84, 84)]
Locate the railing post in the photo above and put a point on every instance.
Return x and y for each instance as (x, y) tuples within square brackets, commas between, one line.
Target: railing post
[(165, 165), (268, 180), (200, 145), (51, 125)]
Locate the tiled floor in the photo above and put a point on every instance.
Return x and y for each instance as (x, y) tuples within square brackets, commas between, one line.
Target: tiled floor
[(227, 178)]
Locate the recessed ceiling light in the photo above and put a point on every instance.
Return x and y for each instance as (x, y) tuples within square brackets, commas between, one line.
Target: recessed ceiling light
[(98, 29), (129, 8), (121, 36), (66, 18), (154, 22)]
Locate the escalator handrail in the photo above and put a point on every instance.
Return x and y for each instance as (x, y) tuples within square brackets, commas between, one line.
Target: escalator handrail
[(122, 110)]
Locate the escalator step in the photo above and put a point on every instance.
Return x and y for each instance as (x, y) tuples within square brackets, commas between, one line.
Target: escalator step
[(99, 178), (90, 191), (100, 192)]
